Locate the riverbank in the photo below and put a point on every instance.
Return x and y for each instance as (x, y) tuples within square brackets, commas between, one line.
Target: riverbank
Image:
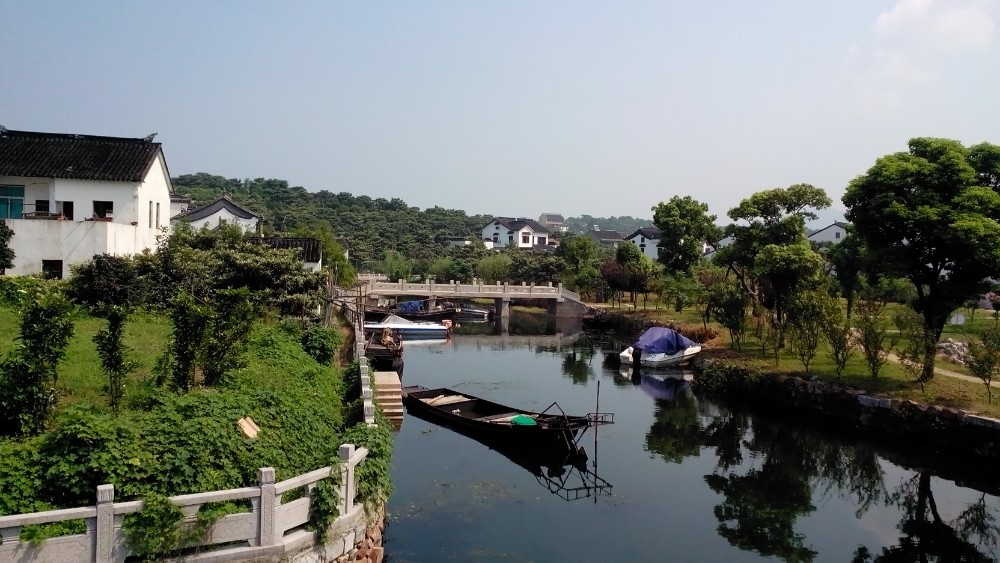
[(893, 381)]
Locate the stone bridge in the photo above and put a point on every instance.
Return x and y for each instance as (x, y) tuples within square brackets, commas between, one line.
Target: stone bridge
[(561, 302)]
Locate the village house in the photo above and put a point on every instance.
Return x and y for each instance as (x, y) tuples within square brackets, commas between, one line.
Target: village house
[(604, 238), (554, 222), (517, 232), (833, 233), (68, 197), (222, 210), (648, 241)]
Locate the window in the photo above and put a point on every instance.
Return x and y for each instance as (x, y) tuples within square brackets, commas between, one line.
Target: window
[(41, 205), (151, 215), (104, 209), (11, 201), (525, 238), (642, 239), (67, 208), (510, 238), (52, 269), (836, 235), (542, 241), (157, 215)]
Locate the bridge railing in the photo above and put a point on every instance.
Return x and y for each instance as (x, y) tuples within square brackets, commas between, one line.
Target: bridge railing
[(473, 289)]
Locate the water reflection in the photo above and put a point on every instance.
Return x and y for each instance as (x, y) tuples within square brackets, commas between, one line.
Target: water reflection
[(767, 473)]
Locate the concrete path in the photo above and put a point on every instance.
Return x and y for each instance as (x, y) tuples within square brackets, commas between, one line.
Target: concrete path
[(950, 373)]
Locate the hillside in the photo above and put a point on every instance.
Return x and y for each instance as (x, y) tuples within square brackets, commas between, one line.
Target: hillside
[(369, 226)]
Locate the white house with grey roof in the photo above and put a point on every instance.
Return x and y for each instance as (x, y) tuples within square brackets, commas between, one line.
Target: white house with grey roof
[(517, 232), (833, 233), (222, 210), (68, 197), (648, 241)]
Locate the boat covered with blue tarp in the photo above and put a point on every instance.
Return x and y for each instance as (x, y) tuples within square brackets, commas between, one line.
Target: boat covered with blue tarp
[(661, 346)]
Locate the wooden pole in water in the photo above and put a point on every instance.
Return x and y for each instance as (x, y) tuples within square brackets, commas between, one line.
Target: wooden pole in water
[(597, 412)]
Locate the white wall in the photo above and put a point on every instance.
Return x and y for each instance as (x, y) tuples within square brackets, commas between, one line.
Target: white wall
[(72, 242), (648, 246), (214, 220), (833, 233)]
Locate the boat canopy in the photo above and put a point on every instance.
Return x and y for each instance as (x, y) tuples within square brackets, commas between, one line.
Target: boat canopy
[(662, 340), (393, 319)]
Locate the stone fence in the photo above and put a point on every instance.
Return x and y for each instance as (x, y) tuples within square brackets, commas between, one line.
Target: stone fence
[(269, 531)]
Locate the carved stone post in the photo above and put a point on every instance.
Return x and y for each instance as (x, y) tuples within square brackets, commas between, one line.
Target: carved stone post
[(347, 486), (268, 503), (104, 525)]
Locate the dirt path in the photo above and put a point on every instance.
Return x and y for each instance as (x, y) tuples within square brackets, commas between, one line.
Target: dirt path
[(950, 373)]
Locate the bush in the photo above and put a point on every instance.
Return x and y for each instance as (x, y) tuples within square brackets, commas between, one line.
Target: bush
[(700, 334), (726, 378), (321, 343)]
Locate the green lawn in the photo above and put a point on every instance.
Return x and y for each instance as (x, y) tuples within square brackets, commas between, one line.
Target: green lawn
[(80, 375)]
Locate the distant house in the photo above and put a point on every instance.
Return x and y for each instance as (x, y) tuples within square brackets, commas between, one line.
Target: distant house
[(69, 197), (604, 238), (648, 241), (517, 232), (554, 222), (833, 233), (214, 213), (312, 249), (458, 241)]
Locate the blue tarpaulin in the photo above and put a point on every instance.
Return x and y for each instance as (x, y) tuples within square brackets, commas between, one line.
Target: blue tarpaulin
[(662, 340), (409, 306)]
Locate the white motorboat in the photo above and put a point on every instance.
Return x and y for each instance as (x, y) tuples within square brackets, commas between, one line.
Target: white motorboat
[(410, 330), (661, 347)]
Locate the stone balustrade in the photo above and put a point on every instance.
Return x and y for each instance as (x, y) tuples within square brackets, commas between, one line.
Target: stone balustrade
[(269, 531)]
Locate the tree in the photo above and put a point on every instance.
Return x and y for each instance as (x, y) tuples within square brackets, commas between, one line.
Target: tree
[(686, 225), (806, 318), (838, 335), (926, 215), (774, 218), (782, 273), (872, 334), (984, 357), (396, 266), (729, 306), (848, 262), (495, 267), (6, 252)]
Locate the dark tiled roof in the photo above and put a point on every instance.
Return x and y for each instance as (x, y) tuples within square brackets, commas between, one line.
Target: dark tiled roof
[(648, 232), (552, 218), (312, 250), (604, 235), (82, 157), (840, 224), (517, 224), (209, 209)]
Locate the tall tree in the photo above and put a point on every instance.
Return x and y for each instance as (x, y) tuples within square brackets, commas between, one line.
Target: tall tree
[(927, 215), (686, 225)]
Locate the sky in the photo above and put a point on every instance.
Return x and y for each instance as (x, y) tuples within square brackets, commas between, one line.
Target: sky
[(512, 108)]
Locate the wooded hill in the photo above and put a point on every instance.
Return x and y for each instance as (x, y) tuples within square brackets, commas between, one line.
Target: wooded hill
[(369, 226)]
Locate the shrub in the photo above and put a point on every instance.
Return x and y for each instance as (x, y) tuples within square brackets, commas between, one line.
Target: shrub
[(321, 343), (726, 378)]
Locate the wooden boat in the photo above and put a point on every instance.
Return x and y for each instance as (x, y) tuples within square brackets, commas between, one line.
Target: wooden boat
[(385, 351), (495, 421), (561, 470), (409, 330)]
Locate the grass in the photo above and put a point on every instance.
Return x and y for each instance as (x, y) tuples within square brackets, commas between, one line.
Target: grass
[(80, 375)]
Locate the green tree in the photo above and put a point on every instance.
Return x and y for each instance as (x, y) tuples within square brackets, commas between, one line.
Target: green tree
[(782, 274), (984, 357), (774, 219), (873, 335), (926, 215), (838, 335), (495, 267), (806, 318), (28, 373), (847, 260), (728, 304), (6, 252), (686, 225)]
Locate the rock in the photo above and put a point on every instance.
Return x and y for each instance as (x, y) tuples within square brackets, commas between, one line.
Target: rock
[(377, 554)]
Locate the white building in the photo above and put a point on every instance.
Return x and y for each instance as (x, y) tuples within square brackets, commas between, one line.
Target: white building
[(222, 210), (648, 241), (521, 233), (833, 233), (311, 249), (69, 197)]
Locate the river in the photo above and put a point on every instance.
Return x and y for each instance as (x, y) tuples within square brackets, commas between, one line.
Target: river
[(678, 477)]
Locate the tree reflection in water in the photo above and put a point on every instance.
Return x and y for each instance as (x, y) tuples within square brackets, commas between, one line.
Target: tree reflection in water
[(768, 471)]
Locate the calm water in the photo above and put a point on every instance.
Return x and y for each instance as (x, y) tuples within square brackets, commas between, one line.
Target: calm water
[(676, 478)]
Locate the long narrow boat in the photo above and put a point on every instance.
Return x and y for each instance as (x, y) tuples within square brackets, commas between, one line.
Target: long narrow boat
[(493, 420)]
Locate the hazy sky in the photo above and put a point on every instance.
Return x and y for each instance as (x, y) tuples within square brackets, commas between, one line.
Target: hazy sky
[(512, 107)]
